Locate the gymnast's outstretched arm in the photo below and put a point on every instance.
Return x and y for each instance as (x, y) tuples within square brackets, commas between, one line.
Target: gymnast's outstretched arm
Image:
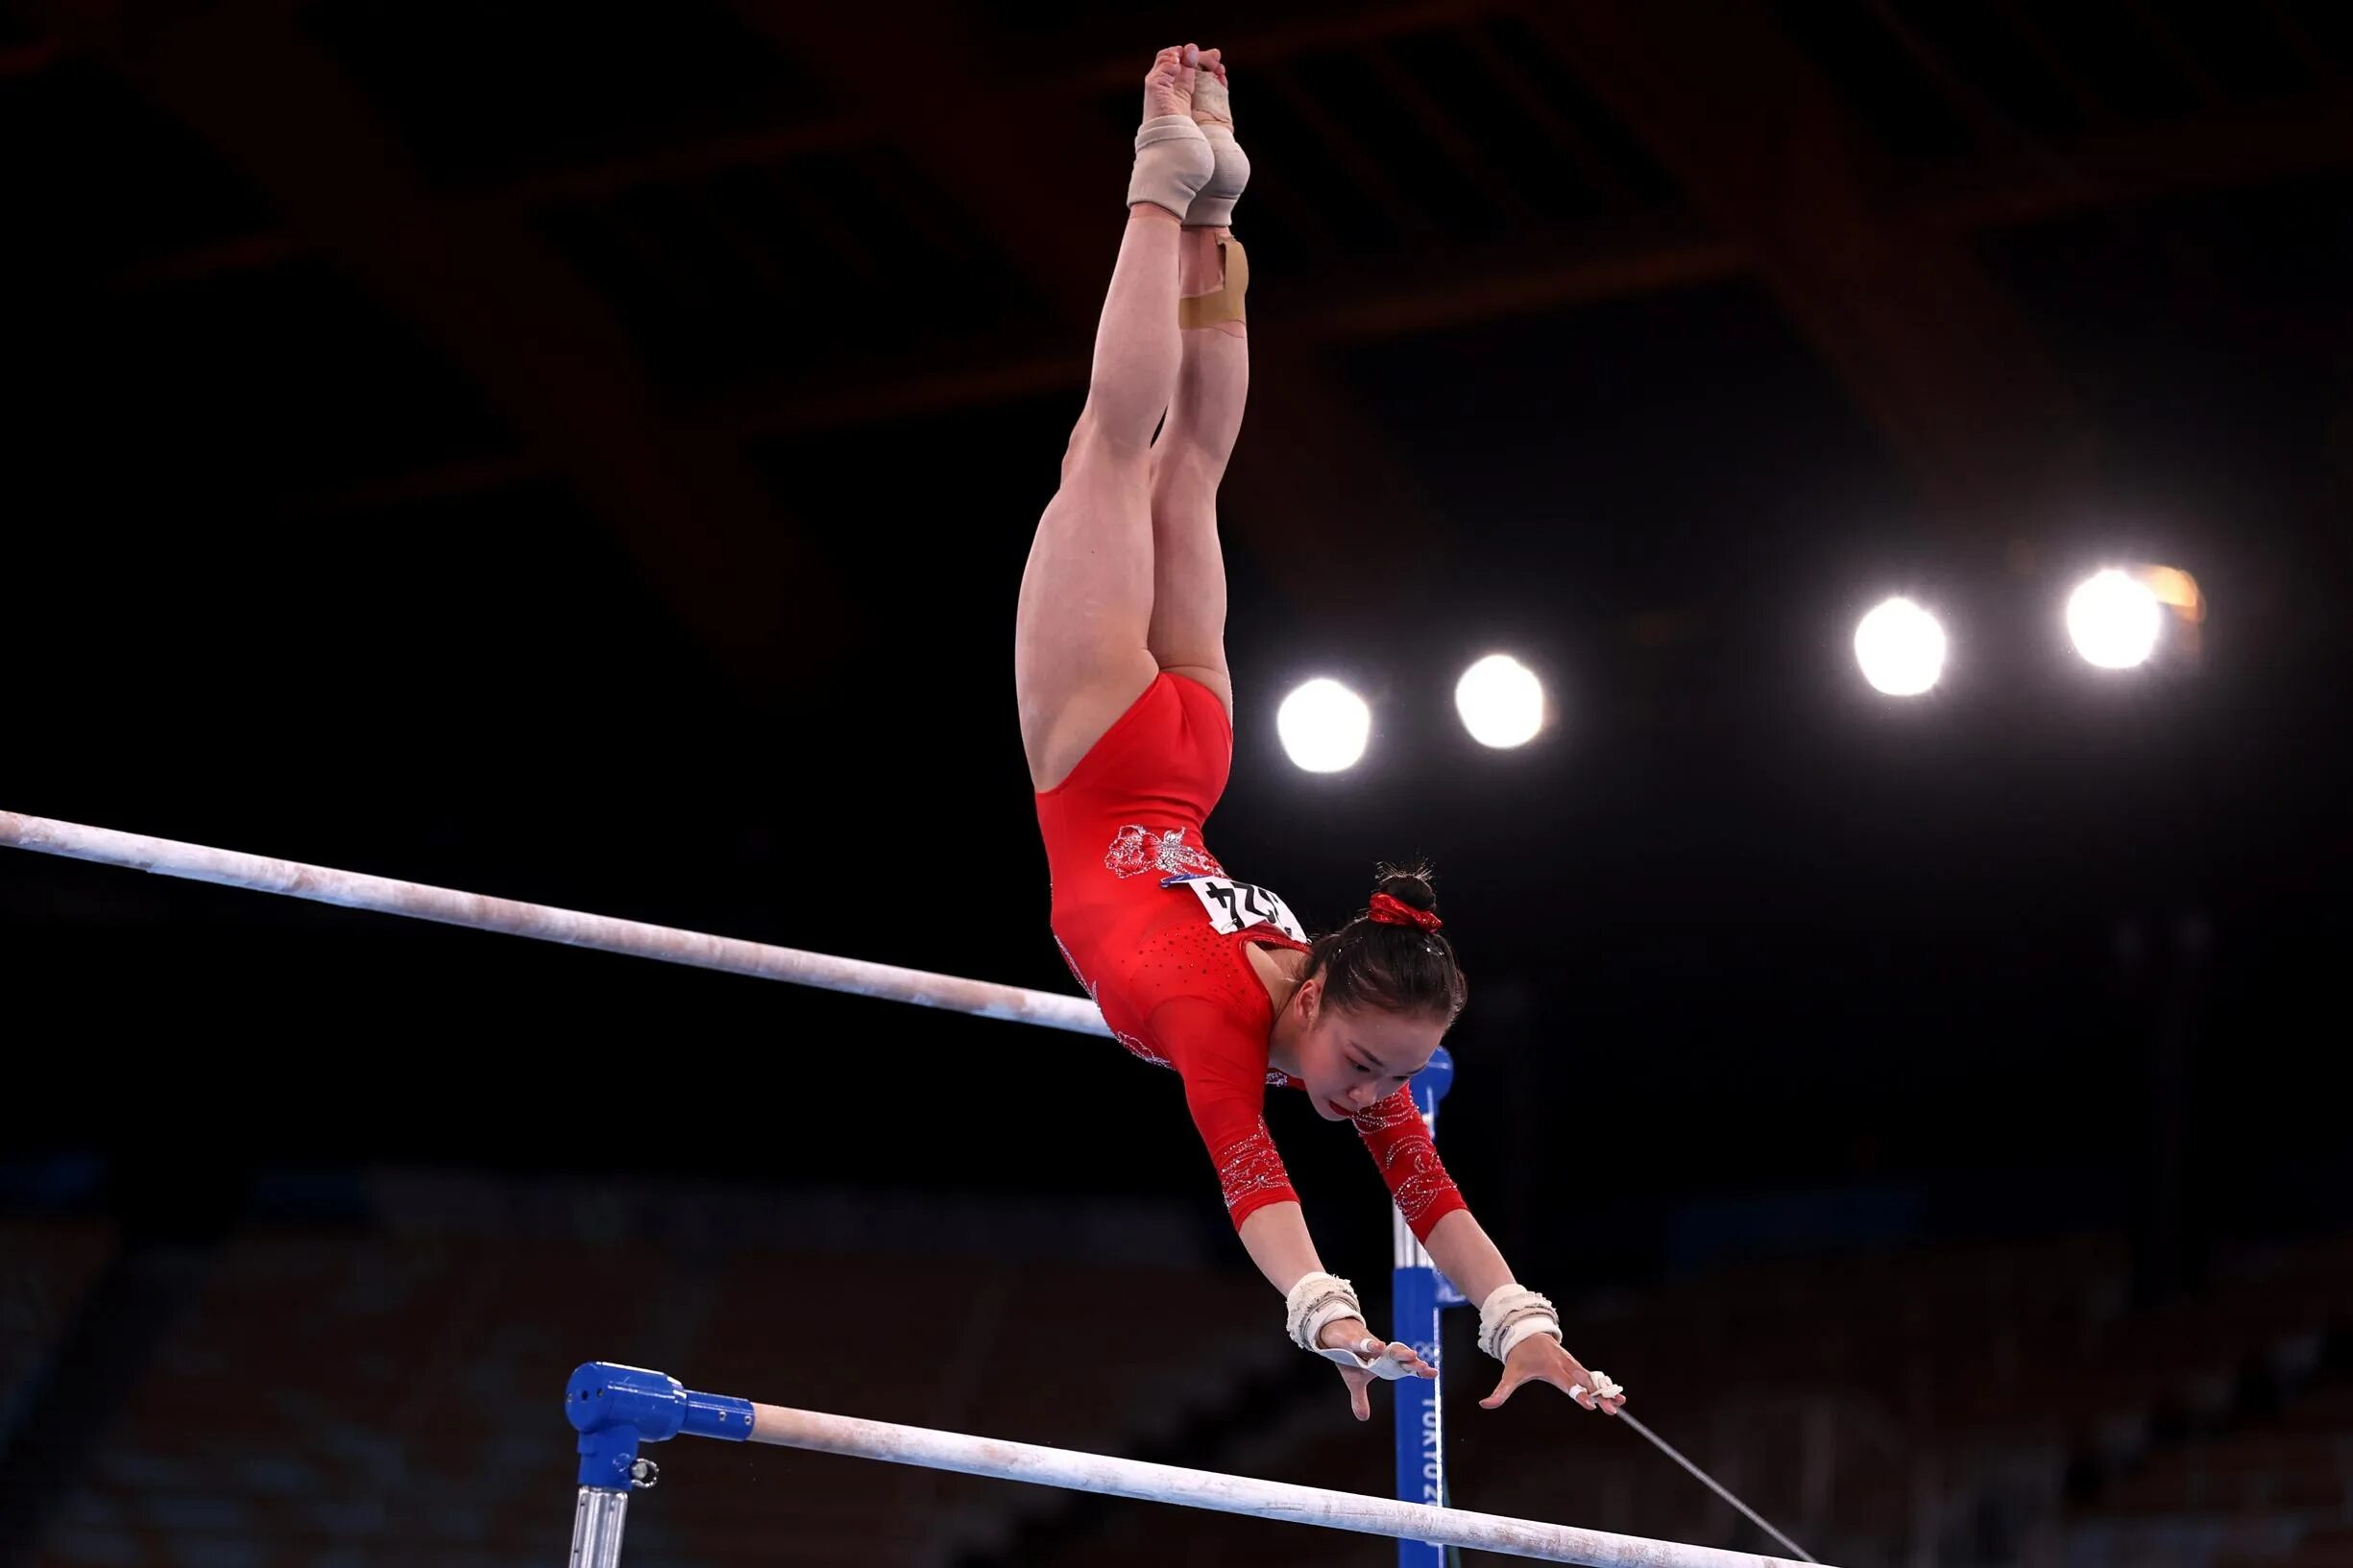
[(1460, 1245), (1276, 1238)]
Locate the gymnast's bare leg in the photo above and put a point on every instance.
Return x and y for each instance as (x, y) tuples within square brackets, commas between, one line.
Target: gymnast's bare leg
[(1082, 641), (1188, 611)]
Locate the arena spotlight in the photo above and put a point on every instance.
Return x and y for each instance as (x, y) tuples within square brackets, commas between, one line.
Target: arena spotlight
[(2177, 590), (1323, 726), (1502, 701), (1901, 649), (2114, 619)]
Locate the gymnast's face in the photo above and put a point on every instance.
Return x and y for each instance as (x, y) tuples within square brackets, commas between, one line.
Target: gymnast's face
[(1350, 1057)]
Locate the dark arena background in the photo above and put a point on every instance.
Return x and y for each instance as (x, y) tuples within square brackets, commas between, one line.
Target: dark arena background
[(587, 455)]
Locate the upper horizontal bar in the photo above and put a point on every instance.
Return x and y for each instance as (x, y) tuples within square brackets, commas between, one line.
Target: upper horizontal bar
[(357, 890), (1232, 1494)]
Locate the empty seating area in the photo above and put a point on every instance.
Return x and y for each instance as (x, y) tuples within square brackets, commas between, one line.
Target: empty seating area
[(1979, 1405), (2243, 1455), (356, 1400), (50, 1265), (351, 1400), (1016, 1350)]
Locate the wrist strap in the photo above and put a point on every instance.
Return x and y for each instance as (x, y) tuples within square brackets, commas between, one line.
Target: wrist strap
[(1315, 1303), (1510, 1313)]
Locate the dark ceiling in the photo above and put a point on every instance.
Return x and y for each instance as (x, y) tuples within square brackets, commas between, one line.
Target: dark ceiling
[(587, 454)]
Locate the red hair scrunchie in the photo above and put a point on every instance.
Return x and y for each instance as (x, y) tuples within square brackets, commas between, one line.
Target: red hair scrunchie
[(1388, 911)]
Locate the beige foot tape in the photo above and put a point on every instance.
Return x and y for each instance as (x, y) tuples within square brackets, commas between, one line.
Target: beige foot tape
[(1225, 305), (1214, 206), (1173, 162)]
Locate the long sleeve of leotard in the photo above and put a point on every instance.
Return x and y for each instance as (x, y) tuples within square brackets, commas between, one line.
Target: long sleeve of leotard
[(1225, 1076), (1399, 1142)]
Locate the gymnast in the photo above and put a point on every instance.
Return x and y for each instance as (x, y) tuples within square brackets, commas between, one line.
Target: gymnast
[(1125, 705)]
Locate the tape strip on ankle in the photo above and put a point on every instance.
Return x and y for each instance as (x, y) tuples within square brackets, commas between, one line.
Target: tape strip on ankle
[(1225, 305)]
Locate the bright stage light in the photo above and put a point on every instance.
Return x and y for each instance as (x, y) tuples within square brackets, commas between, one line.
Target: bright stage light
[(1323, 726), (1901, 649), (1502, 701), (2114, 620)]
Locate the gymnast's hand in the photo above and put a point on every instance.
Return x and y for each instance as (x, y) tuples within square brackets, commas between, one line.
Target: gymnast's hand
[(1362, 1356), (1539, 1358)]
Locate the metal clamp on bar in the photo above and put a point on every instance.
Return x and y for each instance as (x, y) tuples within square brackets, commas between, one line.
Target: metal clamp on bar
[(616, 1408)]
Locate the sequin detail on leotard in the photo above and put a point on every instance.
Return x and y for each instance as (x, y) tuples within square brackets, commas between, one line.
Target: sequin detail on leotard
[(1138, 850), (1249, 1168), (1400, 1142)]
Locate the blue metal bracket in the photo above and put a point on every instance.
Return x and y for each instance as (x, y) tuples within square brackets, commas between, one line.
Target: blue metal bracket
[(616, 1408)]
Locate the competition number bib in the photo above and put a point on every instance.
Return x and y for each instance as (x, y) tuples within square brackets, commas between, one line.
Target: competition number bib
[(1235, 906)]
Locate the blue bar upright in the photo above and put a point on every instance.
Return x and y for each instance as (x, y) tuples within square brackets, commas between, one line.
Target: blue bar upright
[(1418, 1294)]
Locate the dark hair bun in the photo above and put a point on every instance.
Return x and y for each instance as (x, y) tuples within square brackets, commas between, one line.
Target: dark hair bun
[(1392, 965), (1409, 885)]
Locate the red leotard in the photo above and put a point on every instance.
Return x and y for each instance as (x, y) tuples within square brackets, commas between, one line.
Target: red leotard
[(1155, 930)]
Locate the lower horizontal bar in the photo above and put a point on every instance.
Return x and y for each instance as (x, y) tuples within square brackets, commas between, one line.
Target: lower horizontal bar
[(1075, 1471)]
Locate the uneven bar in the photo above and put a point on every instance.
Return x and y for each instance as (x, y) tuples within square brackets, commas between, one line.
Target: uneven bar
[(1075, 1471), (357, 890)]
